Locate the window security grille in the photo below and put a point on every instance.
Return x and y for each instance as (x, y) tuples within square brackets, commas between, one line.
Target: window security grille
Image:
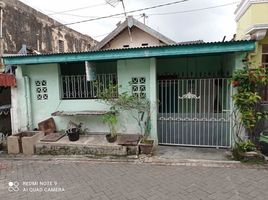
[(77, 86)]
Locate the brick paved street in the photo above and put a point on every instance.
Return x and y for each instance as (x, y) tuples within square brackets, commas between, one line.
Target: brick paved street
[(92, 180)]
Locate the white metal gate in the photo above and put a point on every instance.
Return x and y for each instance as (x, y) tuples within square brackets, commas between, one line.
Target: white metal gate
[(194, 112)]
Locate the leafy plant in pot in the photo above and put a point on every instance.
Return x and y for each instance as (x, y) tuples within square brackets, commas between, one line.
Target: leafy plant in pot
[(110, 119), (146, 145), (140, 110)]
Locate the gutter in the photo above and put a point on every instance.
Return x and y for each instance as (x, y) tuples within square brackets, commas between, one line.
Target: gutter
[(28, 103)]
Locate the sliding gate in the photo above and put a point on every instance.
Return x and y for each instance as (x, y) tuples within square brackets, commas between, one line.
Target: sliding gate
[(194, 112)]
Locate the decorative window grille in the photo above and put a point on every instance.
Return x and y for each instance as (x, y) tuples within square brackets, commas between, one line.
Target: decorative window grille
[(41, 90), (77, 86), (139, 87)]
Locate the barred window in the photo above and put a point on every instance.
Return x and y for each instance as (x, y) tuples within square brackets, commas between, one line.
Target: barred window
[(265, 55), (74, 84), (265, 64)]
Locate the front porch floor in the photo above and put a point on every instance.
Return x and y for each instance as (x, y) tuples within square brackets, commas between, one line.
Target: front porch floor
[(89, 144), (190, 153)]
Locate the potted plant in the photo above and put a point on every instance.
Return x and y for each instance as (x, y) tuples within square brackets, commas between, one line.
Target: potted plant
[(73, 131), (140, 110), (111, 120), (146, 144)]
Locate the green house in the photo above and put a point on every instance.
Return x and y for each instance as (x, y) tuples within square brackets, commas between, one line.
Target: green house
[(187, 84)]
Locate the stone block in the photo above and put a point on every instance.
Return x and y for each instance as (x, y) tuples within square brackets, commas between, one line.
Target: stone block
[(29, 141), (23, 142), (14, 145)]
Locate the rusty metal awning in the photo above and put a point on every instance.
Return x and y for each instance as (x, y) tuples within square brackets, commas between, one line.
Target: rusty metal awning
[(7, 80)]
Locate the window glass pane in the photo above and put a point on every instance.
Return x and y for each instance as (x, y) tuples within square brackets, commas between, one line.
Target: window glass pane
[(265, 48), (264, 59)]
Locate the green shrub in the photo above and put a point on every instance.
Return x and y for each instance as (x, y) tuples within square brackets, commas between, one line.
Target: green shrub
[(245, 146)]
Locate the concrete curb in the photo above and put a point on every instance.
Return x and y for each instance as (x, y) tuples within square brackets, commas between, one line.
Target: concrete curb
[(138, 160)]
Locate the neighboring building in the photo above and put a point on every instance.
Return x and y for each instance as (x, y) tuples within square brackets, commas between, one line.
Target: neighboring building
[(252, 23), (132, 33), (187, 85), (25, 30), (25, 25)]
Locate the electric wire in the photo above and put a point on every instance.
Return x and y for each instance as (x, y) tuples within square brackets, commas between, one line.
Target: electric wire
[(149, 14), (128, 12), (76, 9), (194, 10)]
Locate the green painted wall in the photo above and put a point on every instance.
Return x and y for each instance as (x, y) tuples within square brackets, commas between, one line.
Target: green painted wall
[(42, 109), (127, 69), (133, 68)]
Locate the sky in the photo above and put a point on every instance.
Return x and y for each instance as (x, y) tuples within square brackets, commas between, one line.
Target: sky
[(185, 21)]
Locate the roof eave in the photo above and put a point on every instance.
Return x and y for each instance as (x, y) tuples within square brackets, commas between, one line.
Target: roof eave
[(161, 51)]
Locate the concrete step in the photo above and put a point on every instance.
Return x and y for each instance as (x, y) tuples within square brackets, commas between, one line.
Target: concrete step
[(92, 145)]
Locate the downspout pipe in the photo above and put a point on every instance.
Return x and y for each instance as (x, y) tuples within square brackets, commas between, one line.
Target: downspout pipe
[(28, 103), (2, 6)]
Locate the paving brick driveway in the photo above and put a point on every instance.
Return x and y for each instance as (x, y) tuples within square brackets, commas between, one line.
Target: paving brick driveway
[(93, 180)]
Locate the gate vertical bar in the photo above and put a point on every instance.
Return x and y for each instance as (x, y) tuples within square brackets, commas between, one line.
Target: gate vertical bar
[(182, 113), (191, 112), (200, 111), (204, 109), (222, 113), (218, 111), (179, 111), (166, 114), (162, 111), (174, 110), (209, 111), (186, 113), (195, 112), (231, 114), (170, 110)]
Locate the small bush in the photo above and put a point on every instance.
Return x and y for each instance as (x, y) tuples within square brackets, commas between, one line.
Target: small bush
[(246, 146), (241, 147)]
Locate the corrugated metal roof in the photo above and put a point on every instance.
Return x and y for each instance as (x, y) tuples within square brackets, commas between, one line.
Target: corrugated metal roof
[(134, 53), (7, 80), (193, 43)]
